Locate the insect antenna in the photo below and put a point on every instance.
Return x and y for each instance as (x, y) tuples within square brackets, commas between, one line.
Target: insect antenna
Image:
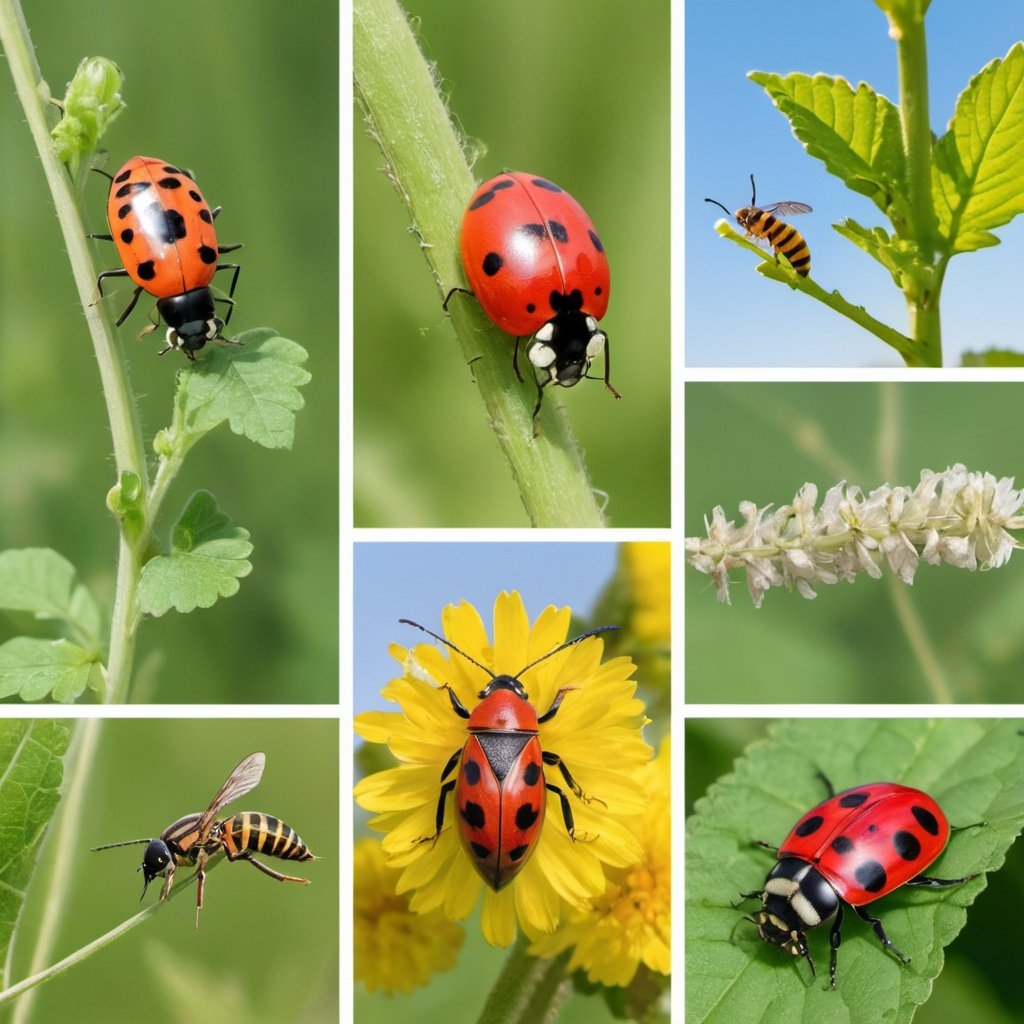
[(753, 192), (447, 643), (127, 842), (717, 203)]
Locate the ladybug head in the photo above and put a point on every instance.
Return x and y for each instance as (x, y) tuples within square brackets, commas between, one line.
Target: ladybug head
[(191, 320), (154, 862), (504, 683), (568, 343)]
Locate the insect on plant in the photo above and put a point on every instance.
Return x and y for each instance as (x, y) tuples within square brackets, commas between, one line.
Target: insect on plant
[(193, 839), (163, 230), (500, 790), (763, 224)]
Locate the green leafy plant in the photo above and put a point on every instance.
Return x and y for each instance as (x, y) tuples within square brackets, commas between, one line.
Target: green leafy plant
[(974, 768), (941, 196), (253, 387)]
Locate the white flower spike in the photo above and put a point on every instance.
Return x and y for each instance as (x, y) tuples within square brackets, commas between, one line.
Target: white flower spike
[(955, 517)]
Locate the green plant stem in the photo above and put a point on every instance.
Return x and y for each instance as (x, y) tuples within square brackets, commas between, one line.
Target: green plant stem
[(122, 411), (66, 840), (407, 118), (920, 644), (528, 989), (912, 59)]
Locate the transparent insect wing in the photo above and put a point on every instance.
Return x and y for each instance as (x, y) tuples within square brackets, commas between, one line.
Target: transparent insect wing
[(244, 778), (788, 209)]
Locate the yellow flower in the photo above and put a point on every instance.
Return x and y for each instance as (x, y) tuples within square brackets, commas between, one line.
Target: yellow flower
[(630, 922), (649, 572), (595, 732), (395, 949)]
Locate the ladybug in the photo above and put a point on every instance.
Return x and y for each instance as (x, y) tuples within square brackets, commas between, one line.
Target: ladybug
[(536, 264), (853, 848), (500, 787), (163, 230)]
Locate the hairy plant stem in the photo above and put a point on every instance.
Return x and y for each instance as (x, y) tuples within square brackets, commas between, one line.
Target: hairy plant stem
[(528, 989), (407, 118)]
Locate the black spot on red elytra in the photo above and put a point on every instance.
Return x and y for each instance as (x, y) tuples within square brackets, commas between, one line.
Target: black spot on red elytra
[(472, 814), (123, 176), (123, 211), (170, 183), (545, 184), (492, 264), (480, 851), (532, 775), (168, 169), (518, 852), (872, 828), (925, 819), (194, 196), (127, 235), (558, 232), (533, 230), (870, 876), (485, 197), (131, 187), (205, 215), (598, 290), (146, 270), (207, 254), (471, 772), (809, 826), (531, 308), (595, 240), (526, 817), (842, 844), (907, 845), (853, 799)]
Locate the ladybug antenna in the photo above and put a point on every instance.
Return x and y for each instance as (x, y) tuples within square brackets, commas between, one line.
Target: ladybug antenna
[(717, 203), (562, 647), (448, 643)]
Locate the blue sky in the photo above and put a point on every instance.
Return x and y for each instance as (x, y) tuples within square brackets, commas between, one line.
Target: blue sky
[(415, 581), (733, 316)]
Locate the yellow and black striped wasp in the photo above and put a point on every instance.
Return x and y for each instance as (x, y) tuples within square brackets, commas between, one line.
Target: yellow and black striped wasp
[(782, 237), (193, 839)]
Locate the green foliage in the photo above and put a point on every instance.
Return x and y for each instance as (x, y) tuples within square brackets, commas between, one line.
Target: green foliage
[(92, 101), (209, 554), (974, 768), (33, 669), (31, 773), (994, 357)]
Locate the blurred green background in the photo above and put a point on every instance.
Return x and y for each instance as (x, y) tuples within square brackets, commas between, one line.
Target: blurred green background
[(579, 92), (762, 442), (244, 94), (981, 979), (266, 951)]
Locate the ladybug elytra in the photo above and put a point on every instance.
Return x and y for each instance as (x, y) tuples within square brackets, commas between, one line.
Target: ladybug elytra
[(500, 789), (854, 848), (164, 233), (537, 266)]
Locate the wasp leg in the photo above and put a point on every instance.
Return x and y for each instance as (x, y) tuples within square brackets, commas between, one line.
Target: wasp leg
[(249, 858), (168, 879), (201, 860)]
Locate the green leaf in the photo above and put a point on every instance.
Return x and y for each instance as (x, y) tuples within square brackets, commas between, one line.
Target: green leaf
[(978, 170), (92, 101), (43, 583), (209, 554), (31, 773), (899, 256), (856, 133), (33, 669), (993, 357), (974, 768), (254, 388)]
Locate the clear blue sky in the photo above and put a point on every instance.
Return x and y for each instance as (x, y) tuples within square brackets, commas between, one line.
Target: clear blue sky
[(733, 316), (415, 581)]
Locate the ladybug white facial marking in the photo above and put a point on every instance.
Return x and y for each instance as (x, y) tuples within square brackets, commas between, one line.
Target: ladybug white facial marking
[(542, 356), (850, 850), (596, 345)]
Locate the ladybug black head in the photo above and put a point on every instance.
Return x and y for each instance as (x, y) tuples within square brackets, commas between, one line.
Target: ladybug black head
[(191, 320), (568, 343), (504, 683), (154, 862)]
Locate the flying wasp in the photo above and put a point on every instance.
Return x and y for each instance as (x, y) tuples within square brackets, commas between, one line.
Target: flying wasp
[(783, 238), (193, 839)]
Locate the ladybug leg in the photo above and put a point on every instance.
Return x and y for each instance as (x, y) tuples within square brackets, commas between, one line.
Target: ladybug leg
[(460, 709), (746, 896), (102, 238), (827, 783), (608, 367), (767, 846), (876, 926), (555, 704), (465, 291), (446, 788), (515, 366), (128, 309), (554, 761), (540, 398), (835, 937), (924, 882), (570, 822)]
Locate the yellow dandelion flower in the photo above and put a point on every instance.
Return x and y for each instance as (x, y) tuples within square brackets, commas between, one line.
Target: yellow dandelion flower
[(589, 728), (630, 922), (649, 572), (395, 949)]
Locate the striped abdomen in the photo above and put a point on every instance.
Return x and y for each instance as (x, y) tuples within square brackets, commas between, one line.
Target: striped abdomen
[(783, 238), (261, 833)]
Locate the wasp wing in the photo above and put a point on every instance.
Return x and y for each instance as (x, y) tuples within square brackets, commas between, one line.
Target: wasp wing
[(788, 209), (244, 778)]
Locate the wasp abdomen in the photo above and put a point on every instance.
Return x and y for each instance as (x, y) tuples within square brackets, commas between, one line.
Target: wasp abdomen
[(261, 833), (783, 237)]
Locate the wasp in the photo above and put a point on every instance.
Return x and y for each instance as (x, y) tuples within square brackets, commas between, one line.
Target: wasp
[(783, 238), (193, 839)]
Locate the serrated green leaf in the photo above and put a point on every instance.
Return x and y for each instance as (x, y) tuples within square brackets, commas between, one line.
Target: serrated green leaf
[(43, 583), (209, 554), (978, 170), (855, 132), (31, 773), (899, 256), (33, 669), (993, 357), (254, 388), (974, 768)]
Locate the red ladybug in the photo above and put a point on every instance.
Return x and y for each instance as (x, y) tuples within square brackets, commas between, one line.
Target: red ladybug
[(163, 230), (537, 266), (500, 787), (855, 847)]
